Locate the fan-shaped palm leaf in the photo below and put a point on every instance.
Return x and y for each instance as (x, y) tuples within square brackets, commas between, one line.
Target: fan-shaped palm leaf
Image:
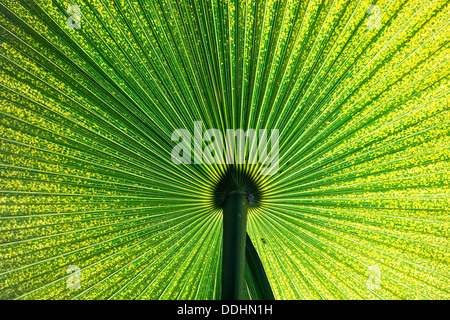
[(87, 116)]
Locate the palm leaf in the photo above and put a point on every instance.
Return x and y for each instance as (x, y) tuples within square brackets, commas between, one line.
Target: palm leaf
[(86, 121)]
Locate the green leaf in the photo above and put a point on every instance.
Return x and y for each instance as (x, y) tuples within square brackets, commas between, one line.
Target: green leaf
[(359, 208)]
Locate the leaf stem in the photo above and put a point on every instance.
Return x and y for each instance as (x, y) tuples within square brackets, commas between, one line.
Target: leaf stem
[(235, 209)]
